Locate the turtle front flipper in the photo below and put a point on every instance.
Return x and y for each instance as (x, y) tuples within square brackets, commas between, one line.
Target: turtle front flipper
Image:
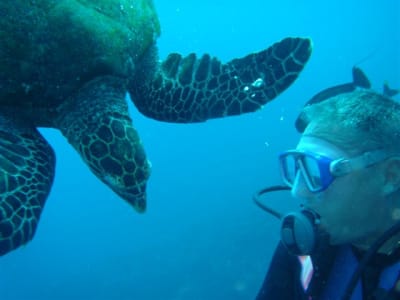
[(26, 176), (194, 90), (96, 123)]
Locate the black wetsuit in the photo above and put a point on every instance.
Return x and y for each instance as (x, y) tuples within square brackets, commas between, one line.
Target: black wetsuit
[(282, 281)]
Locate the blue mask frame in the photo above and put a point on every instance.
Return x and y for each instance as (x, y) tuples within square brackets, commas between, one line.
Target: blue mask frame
[(325, 169)]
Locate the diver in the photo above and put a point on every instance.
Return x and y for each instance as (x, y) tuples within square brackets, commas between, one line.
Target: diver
[(344, 242)]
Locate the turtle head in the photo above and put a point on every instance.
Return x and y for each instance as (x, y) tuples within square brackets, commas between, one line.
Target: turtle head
[(130, 186), (97, 124), (116, 156)]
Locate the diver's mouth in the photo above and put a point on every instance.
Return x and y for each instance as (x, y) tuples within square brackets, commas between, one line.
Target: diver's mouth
[(319, 219)]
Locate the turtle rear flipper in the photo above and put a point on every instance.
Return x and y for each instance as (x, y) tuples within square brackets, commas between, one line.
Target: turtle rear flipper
[(194, 90), (388, 91), (360, 79), (97, 124), (26, 176)]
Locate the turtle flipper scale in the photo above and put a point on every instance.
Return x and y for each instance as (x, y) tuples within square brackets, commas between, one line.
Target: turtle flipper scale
[(194, 90), (27, 171), (97, 124)]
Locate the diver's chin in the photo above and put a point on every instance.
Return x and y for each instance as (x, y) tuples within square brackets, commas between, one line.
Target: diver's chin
[(336, 240)]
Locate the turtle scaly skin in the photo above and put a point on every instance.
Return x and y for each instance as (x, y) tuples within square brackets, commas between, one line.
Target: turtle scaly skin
[(64, 64), (27, 171), (68, 64), (102, 132), (194, 90)]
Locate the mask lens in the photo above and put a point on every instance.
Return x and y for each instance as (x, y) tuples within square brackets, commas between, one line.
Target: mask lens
[(311, 172), (289, 168), (313, 169)]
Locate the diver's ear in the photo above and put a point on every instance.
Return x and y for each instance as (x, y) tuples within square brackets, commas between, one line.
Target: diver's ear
[(391, 176)]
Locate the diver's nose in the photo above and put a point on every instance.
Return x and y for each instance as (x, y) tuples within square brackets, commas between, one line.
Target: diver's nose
[(299, 188)]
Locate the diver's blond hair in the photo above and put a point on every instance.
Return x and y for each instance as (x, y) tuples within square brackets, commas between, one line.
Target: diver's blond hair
[(359, 121)]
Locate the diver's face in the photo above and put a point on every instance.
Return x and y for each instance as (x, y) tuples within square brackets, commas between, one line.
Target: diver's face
[(352, 208)]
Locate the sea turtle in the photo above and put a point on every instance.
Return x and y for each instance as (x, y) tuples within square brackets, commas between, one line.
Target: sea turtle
[(68, 64)]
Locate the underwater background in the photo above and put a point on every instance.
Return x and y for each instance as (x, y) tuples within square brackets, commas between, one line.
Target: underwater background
[(202, 236)]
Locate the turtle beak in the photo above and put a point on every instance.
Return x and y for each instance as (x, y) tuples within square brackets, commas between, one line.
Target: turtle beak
[(135, 195)]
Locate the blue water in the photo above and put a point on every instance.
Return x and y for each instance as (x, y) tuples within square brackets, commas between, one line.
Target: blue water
[(202, 237)]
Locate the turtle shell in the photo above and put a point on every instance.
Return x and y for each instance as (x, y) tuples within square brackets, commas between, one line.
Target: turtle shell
[(50, 48)]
